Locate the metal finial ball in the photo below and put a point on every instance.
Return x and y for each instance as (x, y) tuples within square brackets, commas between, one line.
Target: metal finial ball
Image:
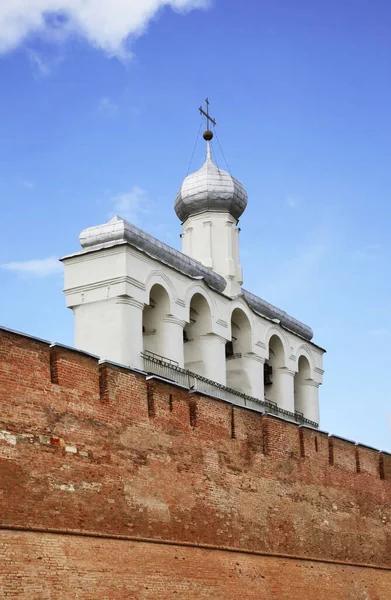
[(208, 135)]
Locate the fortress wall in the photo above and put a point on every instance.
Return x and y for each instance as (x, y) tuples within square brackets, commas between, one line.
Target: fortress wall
[(61, 567), (98, 448)]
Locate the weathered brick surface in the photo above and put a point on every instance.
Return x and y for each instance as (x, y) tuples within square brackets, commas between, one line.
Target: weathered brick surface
[(46, 567), (97, 448)]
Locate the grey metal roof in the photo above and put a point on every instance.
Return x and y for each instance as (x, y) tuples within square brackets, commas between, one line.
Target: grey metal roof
[(119, 231), (210, 188), (272, 312)]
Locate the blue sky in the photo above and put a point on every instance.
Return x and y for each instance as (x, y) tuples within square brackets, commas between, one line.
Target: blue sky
[(99, 116)]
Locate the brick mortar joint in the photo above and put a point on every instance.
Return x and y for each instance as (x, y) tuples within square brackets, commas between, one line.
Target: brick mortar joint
[(167, 542)]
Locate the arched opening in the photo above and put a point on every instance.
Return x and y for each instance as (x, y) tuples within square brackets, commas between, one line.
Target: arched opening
[(155, 332), (272, 371), (237, 351), (199, 325), (302, 390)]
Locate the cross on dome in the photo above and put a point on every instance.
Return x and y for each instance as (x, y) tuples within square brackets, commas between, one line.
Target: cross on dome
[(210, 188), (208, 134)]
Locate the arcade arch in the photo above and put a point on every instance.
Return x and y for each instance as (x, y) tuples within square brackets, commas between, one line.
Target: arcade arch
[(237, 351), (302, 385), (198, 326), (273, 370), (153, 320), (162, 333)]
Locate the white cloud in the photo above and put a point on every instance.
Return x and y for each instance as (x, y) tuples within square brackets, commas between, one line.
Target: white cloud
[(131, 205), (107, 107), (35, 268), (39, 64), (107, 24), (28, 184), (292, 201)]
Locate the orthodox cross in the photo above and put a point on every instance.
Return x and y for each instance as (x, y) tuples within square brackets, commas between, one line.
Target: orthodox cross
[(206, 114)]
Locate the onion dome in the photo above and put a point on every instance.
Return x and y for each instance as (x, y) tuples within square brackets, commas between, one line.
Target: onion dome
[(210, 189)]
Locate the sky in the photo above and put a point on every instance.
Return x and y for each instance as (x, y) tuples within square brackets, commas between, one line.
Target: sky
[(99, 116)]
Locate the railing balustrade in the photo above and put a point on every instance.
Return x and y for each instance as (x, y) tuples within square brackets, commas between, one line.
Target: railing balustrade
[(155, 364)]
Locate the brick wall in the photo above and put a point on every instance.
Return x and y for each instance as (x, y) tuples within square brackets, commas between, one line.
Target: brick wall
[(89, 448)]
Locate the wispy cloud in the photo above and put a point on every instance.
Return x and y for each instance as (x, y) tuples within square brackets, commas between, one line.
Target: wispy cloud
[(109, 26), (27, 184), (35, 268), (292, 201), (107, 107), (39, 64), (132, 205)]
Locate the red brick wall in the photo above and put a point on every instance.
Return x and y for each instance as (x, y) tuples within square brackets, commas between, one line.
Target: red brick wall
[(99, 449), (60, 567)]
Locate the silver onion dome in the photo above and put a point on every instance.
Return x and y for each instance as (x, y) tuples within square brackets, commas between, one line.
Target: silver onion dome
[(210, 189)]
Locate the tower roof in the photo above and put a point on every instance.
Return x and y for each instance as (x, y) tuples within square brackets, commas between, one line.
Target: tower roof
[(210, 189)]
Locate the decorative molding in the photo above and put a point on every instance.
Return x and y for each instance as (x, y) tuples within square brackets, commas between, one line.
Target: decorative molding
[(253, 356), (84, 255), (159, 277), (310, 383), (104, 283), (285, 371), (175, 320), (261, 344), (319, 370), (214, 336), (130, 301), (222, 323)]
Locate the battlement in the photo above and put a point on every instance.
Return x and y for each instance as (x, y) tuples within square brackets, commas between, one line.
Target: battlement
[(93, 446)]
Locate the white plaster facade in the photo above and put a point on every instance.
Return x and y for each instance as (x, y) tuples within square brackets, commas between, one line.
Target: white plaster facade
[(132, 294)]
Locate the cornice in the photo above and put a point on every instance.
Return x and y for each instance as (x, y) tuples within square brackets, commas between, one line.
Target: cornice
[(253, 356), (310, 383), (213, 335), (85, 255), (286, 371), (175, 320), (104, 283), (130, 301)]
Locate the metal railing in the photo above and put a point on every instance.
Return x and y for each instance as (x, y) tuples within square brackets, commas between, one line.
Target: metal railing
[(170, 370)]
